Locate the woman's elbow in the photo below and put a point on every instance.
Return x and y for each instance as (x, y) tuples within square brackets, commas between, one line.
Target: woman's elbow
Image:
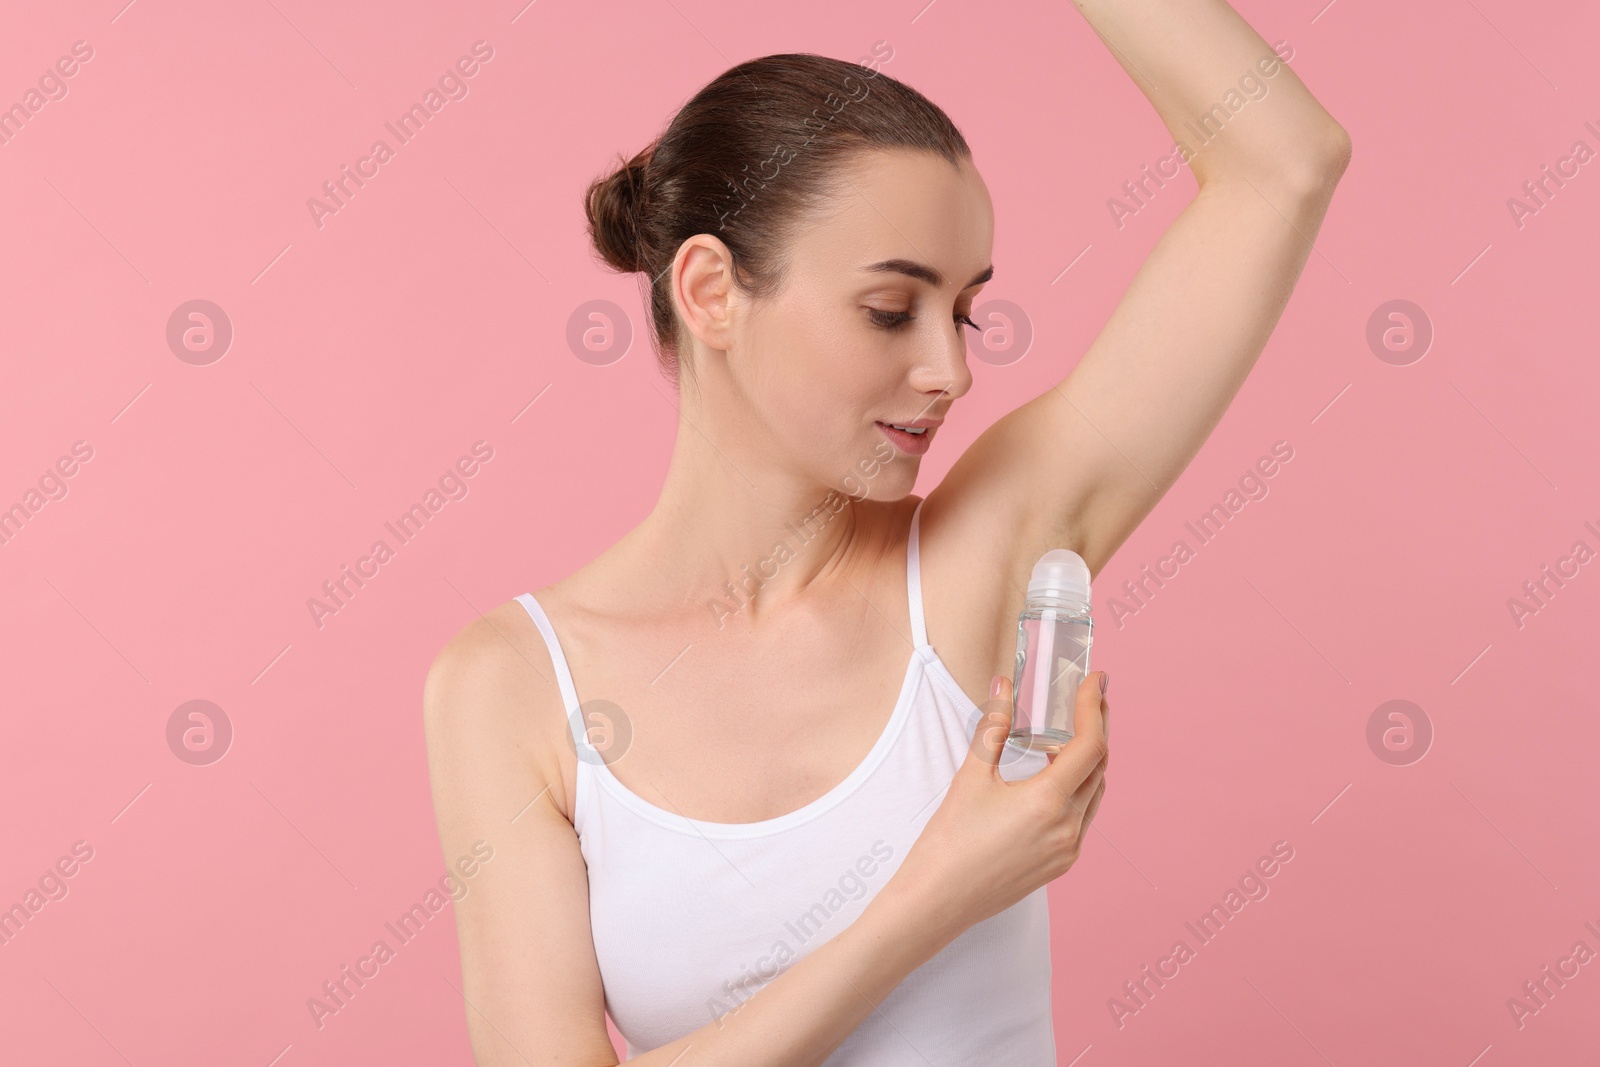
[(1334, 151), (1311, 172)]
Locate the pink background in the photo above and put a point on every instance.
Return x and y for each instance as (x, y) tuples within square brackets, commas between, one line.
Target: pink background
[(370, 353)]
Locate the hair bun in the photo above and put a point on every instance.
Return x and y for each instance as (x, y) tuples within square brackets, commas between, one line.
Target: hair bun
[(613, 206)]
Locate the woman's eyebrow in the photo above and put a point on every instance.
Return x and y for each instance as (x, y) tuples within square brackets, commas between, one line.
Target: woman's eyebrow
[(925, 273)]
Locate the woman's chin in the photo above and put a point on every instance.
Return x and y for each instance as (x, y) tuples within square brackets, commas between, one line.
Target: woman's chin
[(893, 481)]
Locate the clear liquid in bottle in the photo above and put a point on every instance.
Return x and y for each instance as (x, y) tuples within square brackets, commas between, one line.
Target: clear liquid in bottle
[(1054, 634)]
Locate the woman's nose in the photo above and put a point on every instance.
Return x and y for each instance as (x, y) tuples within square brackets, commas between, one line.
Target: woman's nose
[(944, 368)]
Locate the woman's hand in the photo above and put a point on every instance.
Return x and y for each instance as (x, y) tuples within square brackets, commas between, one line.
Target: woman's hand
[(992, 842)]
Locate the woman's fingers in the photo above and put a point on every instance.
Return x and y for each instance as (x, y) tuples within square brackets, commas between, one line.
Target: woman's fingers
[(989, 739), (1085, 791), (1105, 716), (1094, 804), (1078, 758), (1105, 705)]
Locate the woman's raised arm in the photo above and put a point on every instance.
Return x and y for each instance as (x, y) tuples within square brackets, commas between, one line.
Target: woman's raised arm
[(1086, 461)]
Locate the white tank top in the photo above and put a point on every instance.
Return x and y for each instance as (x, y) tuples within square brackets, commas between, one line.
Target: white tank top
[(692, 918)]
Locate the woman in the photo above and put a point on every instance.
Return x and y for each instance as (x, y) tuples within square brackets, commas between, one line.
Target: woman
[(734, 795)]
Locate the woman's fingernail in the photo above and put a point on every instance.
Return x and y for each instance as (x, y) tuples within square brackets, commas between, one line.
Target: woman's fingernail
[(994, 686), (1105, 680)]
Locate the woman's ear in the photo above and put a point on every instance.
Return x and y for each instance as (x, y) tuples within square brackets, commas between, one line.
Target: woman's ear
[(703, 290)]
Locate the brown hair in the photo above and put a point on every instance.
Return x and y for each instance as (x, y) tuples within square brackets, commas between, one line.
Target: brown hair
[(710, 171)]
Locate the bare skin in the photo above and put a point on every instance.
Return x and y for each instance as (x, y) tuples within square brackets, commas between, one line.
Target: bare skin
[(743, 716)]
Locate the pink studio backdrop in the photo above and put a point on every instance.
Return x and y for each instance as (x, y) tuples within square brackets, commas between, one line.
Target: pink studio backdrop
[(371, 348)]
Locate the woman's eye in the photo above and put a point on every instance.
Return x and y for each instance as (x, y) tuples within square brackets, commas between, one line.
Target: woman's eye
[(889, 319)]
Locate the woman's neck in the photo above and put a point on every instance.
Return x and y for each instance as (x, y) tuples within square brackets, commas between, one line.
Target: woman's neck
[(733, 526)]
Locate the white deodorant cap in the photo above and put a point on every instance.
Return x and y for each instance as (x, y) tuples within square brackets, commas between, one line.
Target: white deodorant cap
[(1061, 573)]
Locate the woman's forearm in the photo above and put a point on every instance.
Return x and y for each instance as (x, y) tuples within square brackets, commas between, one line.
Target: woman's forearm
[(1206, 72), (799, 1018)]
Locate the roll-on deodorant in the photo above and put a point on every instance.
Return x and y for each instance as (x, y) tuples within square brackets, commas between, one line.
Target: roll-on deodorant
[(1054, 632)]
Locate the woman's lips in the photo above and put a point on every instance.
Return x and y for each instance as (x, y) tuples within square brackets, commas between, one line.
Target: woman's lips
[(912, 444)]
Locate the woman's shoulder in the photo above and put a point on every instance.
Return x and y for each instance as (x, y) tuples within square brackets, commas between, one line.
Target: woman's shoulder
[(492, 686), (503, 643)]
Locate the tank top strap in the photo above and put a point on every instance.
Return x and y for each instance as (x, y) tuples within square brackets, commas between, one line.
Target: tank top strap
[(558, 659), (919, 629)]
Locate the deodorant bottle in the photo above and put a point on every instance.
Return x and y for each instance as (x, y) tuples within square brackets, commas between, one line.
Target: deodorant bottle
[(1054, 632)]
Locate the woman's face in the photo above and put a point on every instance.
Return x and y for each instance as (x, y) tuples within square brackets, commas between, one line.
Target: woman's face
[(866, 330)]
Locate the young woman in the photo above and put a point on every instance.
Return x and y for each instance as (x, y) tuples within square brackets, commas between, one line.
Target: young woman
[(734, 794)]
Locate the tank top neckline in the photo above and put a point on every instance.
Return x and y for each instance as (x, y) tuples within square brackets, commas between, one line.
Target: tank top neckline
[(922, 655)]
